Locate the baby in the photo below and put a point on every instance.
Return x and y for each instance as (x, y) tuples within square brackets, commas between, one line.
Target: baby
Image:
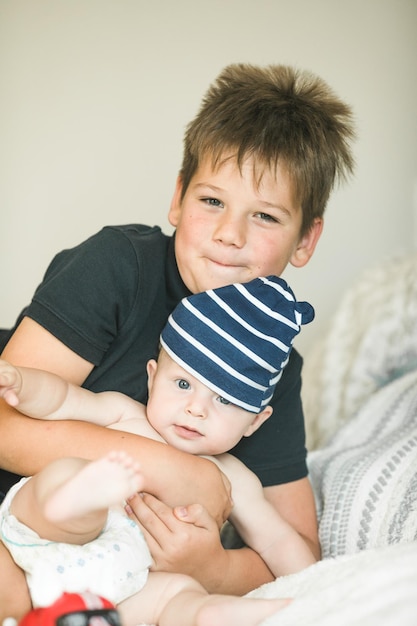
[(222, 353)]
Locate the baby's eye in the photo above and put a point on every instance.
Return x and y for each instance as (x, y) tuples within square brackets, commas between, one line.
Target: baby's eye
[(213, 202), (182, 383), (223, 400)]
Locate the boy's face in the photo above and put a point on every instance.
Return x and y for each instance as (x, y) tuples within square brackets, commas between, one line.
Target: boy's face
[(230, 230), (191, 417)]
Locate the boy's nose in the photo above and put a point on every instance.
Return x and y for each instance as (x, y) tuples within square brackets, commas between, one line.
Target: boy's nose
[(230, 231)]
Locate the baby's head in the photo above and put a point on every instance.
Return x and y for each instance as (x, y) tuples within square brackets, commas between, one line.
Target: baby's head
[(278, 117), (237, 339), (223, 352)]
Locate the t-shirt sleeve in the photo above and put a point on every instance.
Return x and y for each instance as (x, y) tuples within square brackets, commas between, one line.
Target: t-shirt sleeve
[(276, 452), (85, 296)]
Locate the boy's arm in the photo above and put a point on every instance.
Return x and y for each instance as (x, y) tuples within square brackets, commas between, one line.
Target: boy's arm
[(27, 445)]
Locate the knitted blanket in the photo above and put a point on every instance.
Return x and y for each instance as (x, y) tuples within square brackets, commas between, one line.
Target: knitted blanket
[(371, 340)]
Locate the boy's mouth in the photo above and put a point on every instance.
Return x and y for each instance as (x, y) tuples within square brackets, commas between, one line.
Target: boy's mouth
[(224, 263)]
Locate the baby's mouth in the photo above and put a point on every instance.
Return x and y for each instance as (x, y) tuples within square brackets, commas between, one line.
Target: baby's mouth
[(186, 432)]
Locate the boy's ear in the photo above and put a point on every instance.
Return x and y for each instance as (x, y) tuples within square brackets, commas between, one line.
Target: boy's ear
[(307, 244), (260, 418), (151, 368), (174, 212)]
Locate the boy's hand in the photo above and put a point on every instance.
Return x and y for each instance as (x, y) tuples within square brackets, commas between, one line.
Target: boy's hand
[(10, 383), (184, 540)]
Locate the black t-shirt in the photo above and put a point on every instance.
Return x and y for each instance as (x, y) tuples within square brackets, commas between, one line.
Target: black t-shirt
[(108, 299)]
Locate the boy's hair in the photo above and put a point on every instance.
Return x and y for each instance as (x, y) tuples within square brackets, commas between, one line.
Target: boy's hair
[(279, 116)]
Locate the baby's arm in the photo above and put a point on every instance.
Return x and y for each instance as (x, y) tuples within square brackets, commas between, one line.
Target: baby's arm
[(259, 524), (44, 395), (10, 383)]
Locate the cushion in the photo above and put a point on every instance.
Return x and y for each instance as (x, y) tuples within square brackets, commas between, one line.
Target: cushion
[(365, 478)]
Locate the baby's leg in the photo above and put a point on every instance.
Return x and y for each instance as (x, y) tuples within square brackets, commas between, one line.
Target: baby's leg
[(177, 600), (14, 594), (68, 501)]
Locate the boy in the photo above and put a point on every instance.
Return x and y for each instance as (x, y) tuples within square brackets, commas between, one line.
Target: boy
[(260, 160), (222, 354)]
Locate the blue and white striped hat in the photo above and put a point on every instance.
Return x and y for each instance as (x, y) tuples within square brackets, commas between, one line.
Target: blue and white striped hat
[(237, 339)]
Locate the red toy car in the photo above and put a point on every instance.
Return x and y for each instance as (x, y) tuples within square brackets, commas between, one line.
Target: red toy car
[(74, 609)]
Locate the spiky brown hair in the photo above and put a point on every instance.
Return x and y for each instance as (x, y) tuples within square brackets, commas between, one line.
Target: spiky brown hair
[(277, 115)]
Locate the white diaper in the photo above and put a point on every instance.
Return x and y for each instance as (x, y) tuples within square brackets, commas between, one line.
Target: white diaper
[(115, 565)]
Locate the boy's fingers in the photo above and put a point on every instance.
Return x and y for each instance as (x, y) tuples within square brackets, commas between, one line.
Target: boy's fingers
[(195, 514), (152, 515), (154, 510)]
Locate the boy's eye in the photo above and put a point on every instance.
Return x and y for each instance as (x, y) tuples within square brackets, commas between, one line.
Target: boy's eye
[(266, 217), (223, 400), (213, 202), (182, 383)]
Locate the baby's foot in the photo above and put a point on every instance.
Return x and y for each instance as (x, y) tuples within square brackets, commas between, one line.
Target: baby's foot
[(98, 485)]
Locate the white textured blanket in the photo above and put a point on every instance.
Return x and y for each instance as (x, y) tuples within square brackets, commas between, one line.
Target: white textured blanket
[(371, 588), (376, 587)]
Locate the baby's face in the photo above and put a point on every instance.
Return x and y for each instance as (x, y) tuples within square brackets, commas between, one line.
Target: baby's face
[(191, 417)]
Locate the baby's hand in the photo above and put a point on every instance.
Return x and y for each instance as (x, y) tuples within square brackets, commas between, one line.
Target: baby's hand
[(10, 383)]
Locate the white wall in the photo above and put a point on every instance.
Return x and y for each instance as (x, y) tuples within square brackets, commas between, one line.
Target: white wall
[(95, 95)]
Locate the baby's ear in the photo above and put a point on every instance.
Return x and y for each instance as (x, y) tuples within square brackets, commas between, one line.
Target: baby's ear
[(260, 418), (151, 368)]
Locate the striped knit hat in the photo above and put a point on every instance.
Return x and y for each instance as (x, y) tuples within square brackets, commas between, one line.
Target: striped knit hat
[(237, 339)]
